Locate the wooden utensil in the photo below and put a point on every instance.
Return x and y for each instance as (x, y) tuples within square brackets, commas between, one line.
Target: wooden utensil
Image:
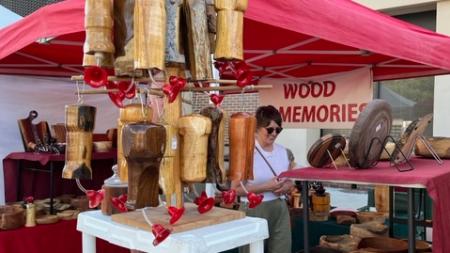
[(80, 121)]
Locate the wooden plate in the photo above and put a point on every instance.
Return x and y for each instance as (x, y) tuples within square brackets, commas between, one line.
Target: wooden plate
[(318, 156), (374, 122), (409, 137), (385, 244)]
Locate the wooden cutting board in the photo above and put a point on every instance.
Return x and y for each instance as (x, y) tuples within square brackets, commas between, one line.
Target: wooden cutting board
[(191, 218)]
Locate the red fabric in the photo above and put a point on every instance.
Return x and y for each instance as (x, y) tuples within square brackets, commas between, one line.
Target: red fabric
[(340, 30), (427, 173), (37, 184), (61, 237)]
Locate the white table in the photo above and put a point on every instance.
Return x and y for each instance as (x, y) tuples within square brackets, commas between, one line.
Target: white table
[(215, 238)]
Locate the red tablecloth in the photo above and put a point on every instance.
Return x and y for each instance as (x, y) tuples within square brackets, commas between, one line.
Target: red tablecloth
[(61, 237), (427, 173), (37, 184)]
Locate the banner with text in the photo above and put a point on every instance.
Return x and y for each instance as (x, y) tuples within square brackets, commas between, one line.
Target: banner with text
[(331, 101)]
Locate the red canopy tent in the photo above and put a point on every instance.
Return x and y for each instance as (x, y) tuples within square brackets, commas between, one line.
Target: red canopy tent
[(283, 39)]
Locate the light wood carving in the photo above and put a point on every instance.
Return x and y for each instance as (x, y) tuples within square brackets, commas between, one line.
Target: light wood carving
[(242, 143)]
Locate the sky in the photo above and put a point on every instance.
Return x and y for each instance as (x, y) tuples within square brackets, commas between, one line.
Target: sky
[(7, 17)]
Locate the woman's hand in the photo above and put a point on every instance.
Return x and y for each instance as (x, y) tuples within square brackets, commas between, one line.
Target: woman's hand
[(285, 187), (273, 184)]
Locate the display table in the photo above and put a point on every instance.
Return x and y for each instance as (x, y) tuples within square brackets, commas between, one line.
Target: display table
[(23, 174), (427, 174), (60, 237), (209, 239)]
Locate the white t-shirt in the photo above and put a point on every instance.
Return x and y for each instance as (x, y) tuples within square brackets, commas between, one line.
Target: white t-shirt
[(279, 161)]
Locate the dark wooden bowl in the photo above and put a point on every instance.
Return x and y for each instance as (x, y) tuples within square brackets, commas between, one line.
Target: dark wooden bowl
[(11, 217), (384, 244)]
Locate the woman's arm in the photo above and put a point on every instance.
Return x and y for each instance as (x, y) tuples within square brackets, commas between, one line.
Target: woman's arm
[(268, 186)]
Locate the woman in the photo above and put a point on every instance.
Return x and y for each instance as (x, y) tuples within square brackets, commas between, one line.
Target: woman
[(270, 159)]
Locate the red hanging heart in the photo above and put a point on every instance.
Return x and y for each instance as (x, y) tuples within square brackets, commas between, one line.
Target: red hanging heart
[(123, 198), (229, 196), (128, 88), (160, 233), (29, 200), (116, 97), (175, 214), (200, 198), (95, 76), (95, 197), (254, 199), (216, 99), (206, 205), (119, 204)]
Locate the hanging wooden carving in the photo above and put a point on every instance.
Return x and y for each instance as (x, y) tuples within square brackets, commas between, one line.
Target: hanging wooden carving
[(80, 120), (242, 143)]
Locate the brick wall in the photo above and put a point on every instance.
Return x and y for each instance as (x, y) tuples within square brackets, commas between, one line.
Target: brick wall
[(232, 103)]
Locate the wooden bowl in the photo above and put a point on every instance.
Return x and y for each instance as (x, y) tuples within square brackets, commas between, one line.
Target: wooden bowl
[(364, 217), (68, 214), (47, 219), (11, 217), (102, 146), (343, 243), (384, 244)]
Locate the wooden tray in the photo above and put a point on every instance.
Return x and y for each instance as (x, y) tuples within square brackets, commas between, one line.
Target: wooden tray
[(191, 219)]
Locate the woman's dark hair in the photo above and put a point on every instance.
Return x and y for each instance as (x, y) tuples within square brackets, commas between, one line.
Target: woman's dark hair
[(265, 114)]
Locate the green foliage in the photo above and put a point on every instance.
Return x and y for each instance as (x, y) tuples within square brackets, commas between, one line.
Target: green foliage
[(420, 89)]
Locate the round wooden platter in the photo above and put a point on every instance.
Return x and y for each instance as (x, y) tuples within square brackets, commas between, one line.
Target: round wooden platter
[(373, 123), (318, 153), (409, 137), (47, 219)]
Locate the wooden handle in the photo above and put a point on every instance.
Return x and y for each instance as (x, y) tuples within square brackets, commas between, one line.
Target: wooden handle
[(149, 34), (174, 50), (198, 39), (80, 121), (98, 23), (230, 23), (129, 114), (194, 130), (143, 148), (242, 138)]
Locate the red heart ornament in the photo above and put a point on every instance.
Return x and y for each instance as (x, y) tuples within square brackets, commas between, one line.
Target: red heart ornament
[(95, 76), (206, 205), (95, 197), (254, 199), (123, 198), (119, 203), (229, 196), (216, 99), (160, 233), (116, 97), (128, 88), (200, 198), (175, 214)]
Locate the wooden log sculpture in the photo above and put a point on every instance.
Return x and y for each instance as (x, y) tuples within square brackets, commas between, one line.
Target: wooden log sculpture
[(382, 199), (369, 134), (33, 134), (98, 23), (194, 131), (129, 114), (242, 128), (149, 34), (212, 24), (120, 27), (230, 23), (198, 39), (143, 147), (80, 121), (167, 178), (440, 144), (215, 173), (174, 52)]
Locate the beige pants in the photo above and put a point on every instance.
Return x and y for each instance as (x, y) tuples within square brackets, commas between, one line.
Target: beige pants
[(277, 215)]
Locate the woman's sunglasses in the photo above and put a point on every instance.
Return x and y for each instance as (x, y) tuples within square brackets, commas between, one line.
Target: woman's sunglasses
[(271, 129)]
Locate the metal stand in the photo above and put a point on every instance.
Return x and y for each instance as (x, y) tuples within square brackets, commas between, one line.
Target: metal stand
[(334, 161), (431, 149), (391, 158)]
